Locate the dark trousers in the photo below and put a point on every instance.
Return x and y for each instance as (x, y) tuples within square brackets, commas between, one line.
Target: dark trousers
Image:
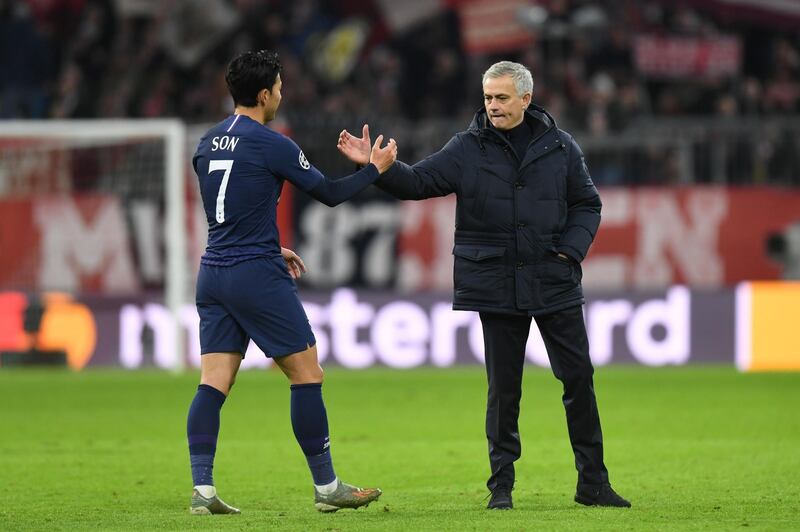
[(564, 335)]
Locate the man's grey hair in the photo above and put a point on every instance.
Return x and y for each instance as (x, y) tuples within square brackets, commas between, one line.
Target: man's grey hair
[(523, 81)]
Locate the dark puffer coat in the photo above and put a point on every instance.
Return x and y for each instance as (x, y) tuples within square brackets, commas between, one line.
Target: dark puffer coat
[(512, 217)]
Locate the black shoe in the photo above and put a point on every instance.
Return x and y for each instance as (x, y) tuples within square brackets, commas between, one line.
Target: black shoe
[(501, 499), (599, 495)]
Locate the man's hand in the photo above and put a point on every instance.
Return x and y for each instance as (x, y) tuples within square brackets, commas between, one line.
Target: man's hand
[(385, 157), (354, 148), (293, 262)]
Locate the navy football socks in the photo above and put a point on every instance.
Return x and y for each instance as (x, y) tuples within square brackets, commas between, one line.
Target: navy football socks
[(202, 429), (310, 424)]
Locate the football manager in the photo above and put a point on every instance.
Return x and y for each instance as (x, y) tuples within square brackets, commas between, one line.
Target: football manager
[(527, 213)]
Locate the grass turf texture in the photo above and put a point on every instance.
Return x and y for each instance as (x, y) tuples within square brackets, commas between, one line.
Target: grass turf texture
[(693, 448)]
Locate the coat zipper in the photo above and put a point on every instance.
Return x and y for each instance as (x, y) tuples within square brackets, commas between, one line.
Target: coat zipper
[(508, 147)]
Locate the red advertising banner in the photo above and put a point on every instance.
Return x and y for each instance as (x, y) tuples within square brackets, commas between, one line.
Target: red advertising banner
[(687, 57), (649, 238), (705, 237), (76, 243), (489, 26)]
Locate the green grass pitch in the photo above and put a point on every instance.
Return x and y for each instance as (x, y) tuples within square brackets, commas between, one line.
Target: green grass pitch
[(693, 448)]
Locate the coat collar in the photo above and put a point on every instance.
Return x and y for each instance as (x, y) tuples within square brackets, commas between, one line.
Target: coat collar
[(480, 122), (546, 137)]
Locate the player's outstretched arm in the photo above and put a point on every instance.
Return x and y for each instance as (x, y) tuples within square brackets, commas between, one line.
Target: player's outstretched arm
[(332, 193), (437, 175)]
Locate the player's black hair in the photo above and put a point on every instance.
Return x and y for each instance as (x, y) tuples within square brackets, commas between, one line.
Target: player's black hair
[(250, 72)]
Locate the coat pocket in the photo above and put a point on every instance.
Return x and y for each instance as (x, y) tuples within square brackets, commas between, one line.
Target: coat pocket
[(479, 274), (559, 278)]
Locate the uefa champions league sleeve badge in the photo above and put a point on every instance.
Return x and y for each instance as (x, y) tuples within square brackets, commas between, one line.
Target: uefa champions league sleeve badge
[(303, 161)]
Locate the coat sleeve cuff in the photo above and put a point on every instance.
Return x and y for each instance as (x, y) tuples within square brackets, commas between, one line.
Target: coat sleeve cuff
[(570, 252)]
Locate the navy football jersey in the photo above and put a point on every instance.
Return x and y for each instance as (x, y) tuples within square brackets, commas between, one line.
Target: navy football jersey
[(241, 166)]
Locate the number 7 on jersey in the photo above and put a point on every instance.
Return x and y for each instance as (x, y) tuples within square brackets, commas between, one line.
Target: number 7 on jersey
[(215, 166)]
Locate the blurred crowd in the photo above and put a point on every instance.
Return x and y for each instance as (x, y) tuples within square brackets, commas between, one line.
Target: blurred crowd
[(83, 58), (141, 58)]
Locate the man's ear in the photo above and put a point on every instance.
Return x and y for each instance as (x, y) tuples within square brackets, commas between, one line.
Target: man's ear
[(526, 99), (263, 96)]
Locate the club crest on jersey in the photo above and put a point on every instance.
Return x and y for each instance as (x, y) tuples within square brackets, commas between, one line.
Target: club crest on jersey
[(303, 161)]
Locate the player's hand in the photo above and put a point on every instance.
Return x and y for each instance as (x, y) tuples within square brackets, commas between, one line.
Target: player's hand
[(354, 148), (384, 157), (293, 262)]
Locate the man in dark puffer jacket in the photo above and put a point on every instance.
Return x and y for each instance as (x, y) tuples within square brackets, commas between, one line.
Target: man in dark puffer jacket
[(526, 214)]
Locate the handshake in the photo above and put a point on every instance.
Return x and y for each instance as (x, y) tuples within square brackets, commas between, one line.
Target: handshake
[(361, 151)]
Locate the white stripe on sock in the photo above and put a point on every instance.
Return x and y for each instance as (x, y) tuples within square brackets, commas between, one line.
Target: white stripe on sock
[(329, 488), (206, 491)]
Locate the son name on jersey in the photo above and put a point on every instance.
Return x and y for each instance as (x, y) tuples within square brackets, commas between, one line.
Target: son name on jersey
[(224, 143)]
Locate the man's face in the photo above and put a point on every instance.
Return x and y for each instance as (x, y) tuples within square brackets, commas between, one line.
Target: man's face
[(504, 106), (272, 100)]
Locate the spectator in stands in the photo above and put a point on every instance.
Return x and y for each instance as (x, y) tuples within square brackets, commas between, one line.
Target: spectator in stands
[(26, 65), (92, 58)]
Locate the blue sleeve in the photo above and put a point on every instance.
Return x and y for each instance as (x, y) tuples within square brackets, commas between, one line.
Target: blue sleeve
[(333, 192), (288, 161)]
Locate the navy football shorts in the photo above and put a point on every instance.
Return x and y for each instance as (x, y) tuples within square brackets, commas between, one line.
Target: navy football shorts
[(252, 299)]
